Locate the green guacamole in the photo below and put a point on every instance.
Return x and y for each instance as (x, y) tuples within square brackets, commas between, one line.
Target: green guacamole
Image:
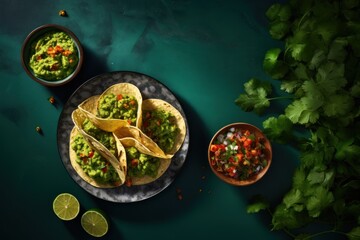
[(160, 126), (105, 138), (118, 107), (54, 56), (140, 164), (92, 163)]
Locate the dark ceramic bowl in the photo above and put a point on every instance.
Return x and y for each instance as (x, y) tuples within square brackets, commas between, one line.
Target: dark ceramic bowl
[(26, 54), (267, 152)]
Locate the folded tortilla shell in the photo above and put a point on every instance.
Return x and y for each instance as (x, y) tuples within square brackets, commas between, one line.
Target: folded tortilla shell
[(89, 107), (159, 104), (141, 138)]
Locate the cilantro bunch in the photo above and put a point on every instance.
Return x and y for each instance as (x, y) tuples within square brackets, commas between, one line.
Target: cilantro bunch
[(319, 72)]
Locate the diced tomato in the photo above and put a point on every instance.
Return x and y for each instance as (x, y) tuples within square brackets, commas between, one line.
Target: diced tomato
[(231, 171), (119, 97), (91, 154), (104, 170), (132, 102), (247, 143), (222, 147), (214, 148), (66, 52), (240, 156), (254, 152), (247, 133), (134, 162), (128, 182)]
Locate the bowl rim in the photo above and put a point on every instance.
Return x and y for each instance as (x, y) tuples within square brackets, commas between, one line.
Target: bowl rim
[(33, 34), (233, 181)]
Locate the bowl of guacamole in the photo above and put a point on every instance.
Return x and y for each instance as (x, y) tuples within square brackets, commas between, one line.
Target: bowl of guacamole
[(52, 55)]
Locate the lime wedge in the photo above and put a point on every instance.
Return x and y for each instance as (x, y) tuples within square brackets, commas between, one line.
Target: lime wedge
[(66, 206), (94, 223)]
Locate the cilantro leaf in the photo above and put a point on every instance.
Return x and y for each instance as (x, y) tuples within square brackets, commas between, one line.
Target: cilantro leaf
[(279, 29), (319, 199), (354, 234), (293, 197), (338, 105), (347, 150), (330, 77), (278, 129), (258, 203), (272, 64), (300, 111), (337, 51), (278, 11), (318, 58), (355, 90), (288, 218), (255, 96), (299, 178)]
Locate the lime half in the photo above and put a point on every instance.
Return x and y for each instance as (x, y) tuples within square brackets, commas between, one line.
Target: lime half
[(94, 223), (66, 206)]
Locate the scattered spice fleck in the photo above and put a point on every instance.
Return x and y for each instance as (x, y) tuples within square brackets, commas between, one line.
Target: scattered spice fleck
[(179, 194), (203, 177), (180, 197), (38, 129), (200, 190), (52, 100), (62, 13)]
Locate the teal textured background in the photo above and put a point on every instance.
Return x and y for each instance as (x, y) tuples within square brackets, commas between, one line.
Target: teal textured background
[(203, 51)]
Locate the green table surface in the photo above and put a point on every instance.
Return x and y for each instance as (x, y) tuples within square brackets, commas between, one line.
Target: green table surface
[(203, 51)]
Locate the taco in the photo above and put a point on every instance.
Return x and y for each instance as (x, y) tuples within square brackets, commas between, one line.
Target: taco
[(94, 164), (143, 166), (164, 124), (118, 106), (88, 127)]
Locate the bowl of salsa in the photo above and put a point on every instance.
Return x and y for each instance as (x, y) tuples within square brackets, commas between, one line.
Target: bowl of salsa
[(52, 55), (239, 154)]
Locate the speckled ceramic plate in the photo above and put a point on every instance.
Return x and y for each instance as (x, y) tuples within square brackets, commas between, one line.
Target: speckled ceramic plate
[(150, 88)]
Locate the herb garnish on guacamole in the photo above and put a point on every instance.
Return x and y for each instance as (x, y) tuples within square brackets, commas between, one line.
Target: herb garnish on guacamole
[(54, 56), (118, 107)]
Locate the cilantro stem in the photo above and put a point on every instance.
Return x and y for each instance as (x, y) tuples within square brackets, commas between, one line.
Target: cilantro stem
[(283, 97), (303, 17), (322, 233), (284, 229)]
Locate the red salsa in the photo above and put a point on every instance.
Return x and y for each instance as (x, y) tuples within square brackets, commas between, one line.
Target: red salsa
[(238, 154)]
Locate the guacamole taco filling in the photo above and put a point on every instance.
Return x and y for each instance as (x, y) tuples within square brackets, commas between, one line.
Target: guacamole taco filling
[(121, 101), (142, 166), (92, 165), (164, 124), (85, 124), (118, 106)]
